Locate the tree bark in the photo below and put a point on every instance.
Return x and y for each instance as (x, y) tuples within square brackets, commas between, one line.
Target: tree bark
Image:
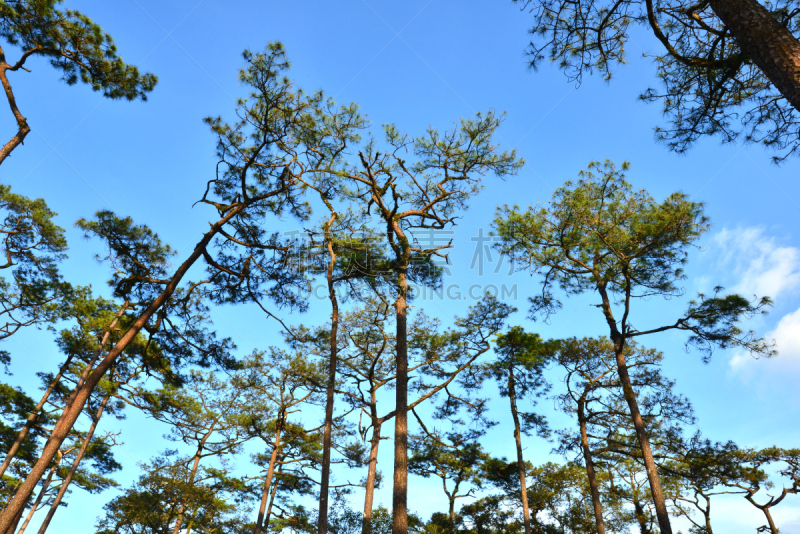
[(38, 500), (71, 414), (268, 479), (400, 487), (18, 518), (322, 521), (768, 43), (64, 485), (512, 398), (590, 473), (269, 508), (369, 494)]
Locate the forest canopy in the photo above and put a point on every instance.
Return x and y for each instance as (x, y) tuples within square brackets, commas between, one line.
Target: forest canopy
[(323, 281)]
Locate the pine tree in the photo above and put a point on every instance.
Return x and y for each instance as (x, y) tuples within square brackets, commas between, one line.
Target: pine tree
[(74, 44), (721, 62), (598, 235)]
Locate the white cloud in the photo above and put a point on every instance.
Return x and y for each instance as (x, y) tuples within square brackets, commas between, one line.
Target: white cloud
[(758, 262), (787, 339)]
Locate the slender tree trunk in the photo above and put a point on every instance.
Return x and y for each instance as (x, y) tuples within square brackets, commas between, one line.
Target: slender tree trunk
[(12, 451), (369, 494), (32, 417), (38, 500), (269, 508), (64, 485), (590, 473), (400, 489), (618, 338), (268, 479), (177, 528), (523, 489), (764, 40), (644, 442), (772, 528), (22, 123), (199, 454), (71, 413), (322, 521), (451, 510), (707, 514), (90, 365)]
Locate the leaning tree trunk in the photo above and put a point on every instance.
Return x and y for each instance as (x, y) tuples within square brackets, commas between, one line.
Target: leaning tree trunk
[(32, 417), (38, 500), (772, 528), (590, 473), (64, 485), (195, 465), (369, 494), (268, 478), (644, 442), (73, 411), (322, 521), (512, 398), (765, 41), (269, 508), (400, 489)]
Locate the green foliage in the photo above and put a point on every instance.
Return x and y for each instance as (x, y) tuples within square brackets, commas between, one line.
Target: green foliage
[(562, 492), (598, 231), (488, 516), (32, 291), (598, 234), (281, 139), (519, 366), (709, 85), (455, 458), (75, 45), (344, 520), (135, 253), (154, 503), (15, 406)]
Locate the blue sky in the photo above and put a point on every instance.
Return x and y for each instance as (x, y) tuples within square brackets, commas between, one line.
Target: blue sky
[(415, 63)]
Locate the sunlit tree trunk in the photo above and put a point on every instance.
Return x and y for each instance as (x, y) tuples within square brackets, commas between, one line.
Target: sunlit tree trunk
[(322, 522), (512, 398), (73, 411), (65, 485), (618, 339), (12, 451), (269, 508), (590, 473), (400, 489), (268, 478), (369, 494), (39, 498), (32, 417), (22, 123)]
